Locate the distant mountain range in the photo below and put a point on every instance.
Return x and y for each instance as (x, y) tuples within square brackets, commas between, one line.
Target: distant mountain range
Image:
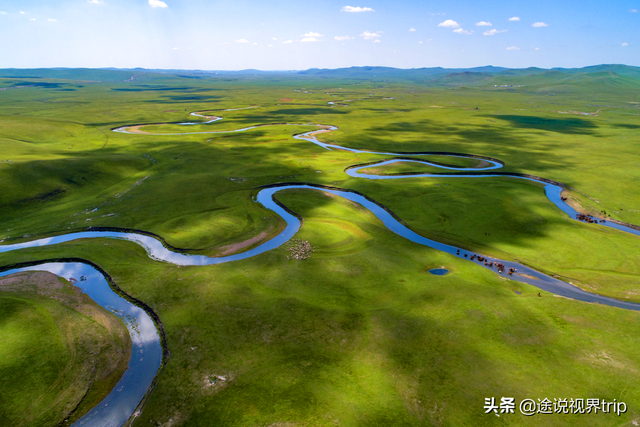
[(435, 75)]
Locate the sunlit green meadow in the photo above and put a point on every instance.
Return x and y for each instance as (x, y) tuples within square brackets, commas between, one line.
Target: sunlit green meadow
[(360, 333)]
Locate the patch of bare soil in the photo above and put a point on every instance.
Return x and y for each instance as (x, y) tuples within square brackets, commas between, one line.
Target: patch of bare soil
[(230, 249), (136, 129)]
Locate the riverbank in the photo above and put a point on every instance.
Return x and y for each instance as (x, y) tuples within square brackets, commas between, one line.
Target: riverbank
[(86, 353)]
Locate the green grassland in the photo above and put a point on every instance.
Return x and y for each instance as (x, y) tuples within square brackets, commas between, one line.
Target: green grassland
[(60, 353), (359, 334), (372, 340)]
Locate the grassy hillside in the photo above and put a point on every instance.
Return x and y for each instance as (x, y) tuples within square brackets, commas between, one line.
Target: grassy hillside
[(60, 353)]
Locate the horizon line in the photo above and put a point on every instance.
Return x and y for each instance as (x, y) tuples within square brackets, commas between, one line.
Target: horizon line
[(313, 68)]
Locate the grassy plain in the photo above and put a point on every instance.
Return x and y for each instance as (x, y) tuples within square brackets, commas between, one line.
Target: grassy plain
[(60, 353), (360, 334)]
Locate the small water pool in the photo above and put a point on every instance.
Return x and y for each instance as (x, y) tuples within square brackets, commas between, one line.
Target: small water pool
[(439, 271)]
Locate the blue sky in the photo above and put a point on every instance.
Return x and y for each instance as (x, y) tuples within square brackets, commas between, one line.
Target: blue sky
[(294, 35)]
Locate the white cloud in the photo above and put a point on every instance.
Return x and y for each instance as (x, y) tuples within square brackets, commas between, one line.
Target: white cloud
[(493, 32), (625, 44), (275, 38), (242, 41), (269, 45), (368, 35), (22, 13), (255, 44), (483, 24), (52, 20), (32, 19), (634, 11), (461, 31), (356, 9), (513, 48), (449, 23), (2, 13), (312, 34), (537, 48), (287, 42), (376, 41), (539, 25), (310, 39), (514, 18), (411, 30), (157, 3), (176, 48), (342, 38), (95, 1)]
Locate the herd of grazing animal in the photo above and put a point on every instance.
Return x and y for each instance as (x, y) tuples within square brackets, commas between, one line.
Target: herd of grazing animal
[(489, 264), (299, 249), (588, 218), (581, 217)]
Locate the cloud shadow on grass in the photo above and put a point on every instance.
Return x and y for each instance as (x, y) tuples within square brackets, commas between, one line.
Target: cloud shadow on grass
[(308, 111), (565, 126), (483, 140), (161, 88), (626, 126)]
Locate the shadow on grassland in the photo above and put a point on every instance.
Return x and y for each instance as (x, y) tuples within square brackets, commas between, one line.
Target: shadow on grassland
[(566, 126), (486, 140), (571, 125), (626, 126), (28, 184), (309, 111), (185, 178), (283, 115), (44, 85), (484, 214), (160, 88), (210, 167), (291, 116), (184, 99), (388, 109)]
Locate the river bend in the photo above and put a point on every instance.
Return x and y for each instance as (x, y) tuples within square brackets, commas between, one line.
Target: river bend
[(146, 357)]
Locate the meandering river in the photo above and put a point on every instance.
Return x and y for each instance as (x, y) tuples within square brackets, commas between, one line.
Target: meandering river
[(146, 351), (146, 357)]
